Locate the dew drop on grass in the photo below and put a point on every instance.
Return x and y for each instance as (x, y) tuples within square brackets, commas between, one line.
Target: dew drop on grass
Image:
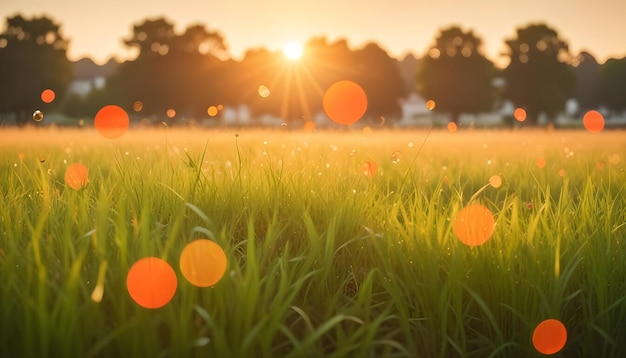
[(283, 124), (396, 157), (151, 282), (203, 263), (42, 158), (37, 116), (550, 336)]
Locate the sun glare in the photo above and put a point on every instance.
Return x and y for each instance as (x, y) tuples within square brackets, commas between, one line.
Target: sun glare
[(293, 50)]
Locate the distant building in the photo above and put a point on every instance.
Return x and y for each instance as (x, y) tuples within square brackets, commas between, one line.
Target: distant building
[(89, 76)]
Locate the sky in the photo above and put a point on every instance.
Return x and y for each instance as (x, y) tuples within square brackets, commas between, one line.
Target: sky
[(96, 28)]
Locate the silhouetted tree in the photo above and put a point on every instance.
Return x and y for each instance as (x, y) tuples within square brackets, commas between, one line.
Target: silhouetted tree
[(456, 75), (180, 72), (587, 78), (538, 78), (261, 67), (381, 81), (612, 84), (408, 71), (32, 59)]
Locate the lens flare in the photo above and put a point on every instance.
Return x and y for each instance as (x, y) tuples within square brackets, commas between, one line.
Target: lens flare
[(170, 113), (293, 50), (345, 102), (76, 176), (550, 336), (111, 121), (430, 104), (137, 106), (474, 225), (203, 263), (452, 127), (519, 114), (263, 91), (151, 282), (47, 96), (593, 121)]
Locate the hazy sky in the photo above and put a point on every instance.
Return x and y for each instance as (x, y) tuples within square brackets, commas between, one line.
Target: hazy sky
[(95, 28)]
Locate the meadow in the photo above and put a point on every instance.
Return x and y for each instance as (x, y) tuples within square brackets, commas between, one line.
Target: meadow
[(326, 256)]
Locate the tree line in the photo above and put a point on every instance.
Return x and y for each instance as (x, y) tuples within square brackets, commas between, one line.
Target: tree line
[(192, 74)]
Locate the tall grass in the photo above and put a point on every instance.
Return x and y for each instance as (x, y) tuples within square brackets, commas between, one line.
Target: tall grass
[(323, 261)]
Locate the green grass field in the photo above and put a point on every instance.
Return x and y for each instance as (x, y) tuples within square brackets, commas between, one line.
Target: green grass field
[(322, 259)]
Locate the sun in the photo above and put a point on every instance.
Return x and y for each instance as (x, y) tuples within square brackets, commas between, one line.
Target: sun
[(293, 50)]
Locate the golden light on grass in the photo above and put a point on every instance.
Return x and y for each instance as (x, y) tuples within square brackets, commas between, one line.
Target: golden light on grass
[(111, 121), (430, 104), (474, 224), (47, 95), (345, 102), (369, 169), (151, 282), (203, 263), (519, 114), (98, 291), (593, 121), (76, 176), (550, 336)]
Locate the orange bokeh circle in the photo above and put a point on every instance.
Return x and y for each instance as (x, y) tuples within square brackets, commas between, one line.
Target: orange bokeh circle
[(549, 336), (369, 169), (203, 263), (474, 225), (593, 121), (47, 95), (151, 282), (76, 176), (519, 114), (452, 127), (345, 102), (111, 121)]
